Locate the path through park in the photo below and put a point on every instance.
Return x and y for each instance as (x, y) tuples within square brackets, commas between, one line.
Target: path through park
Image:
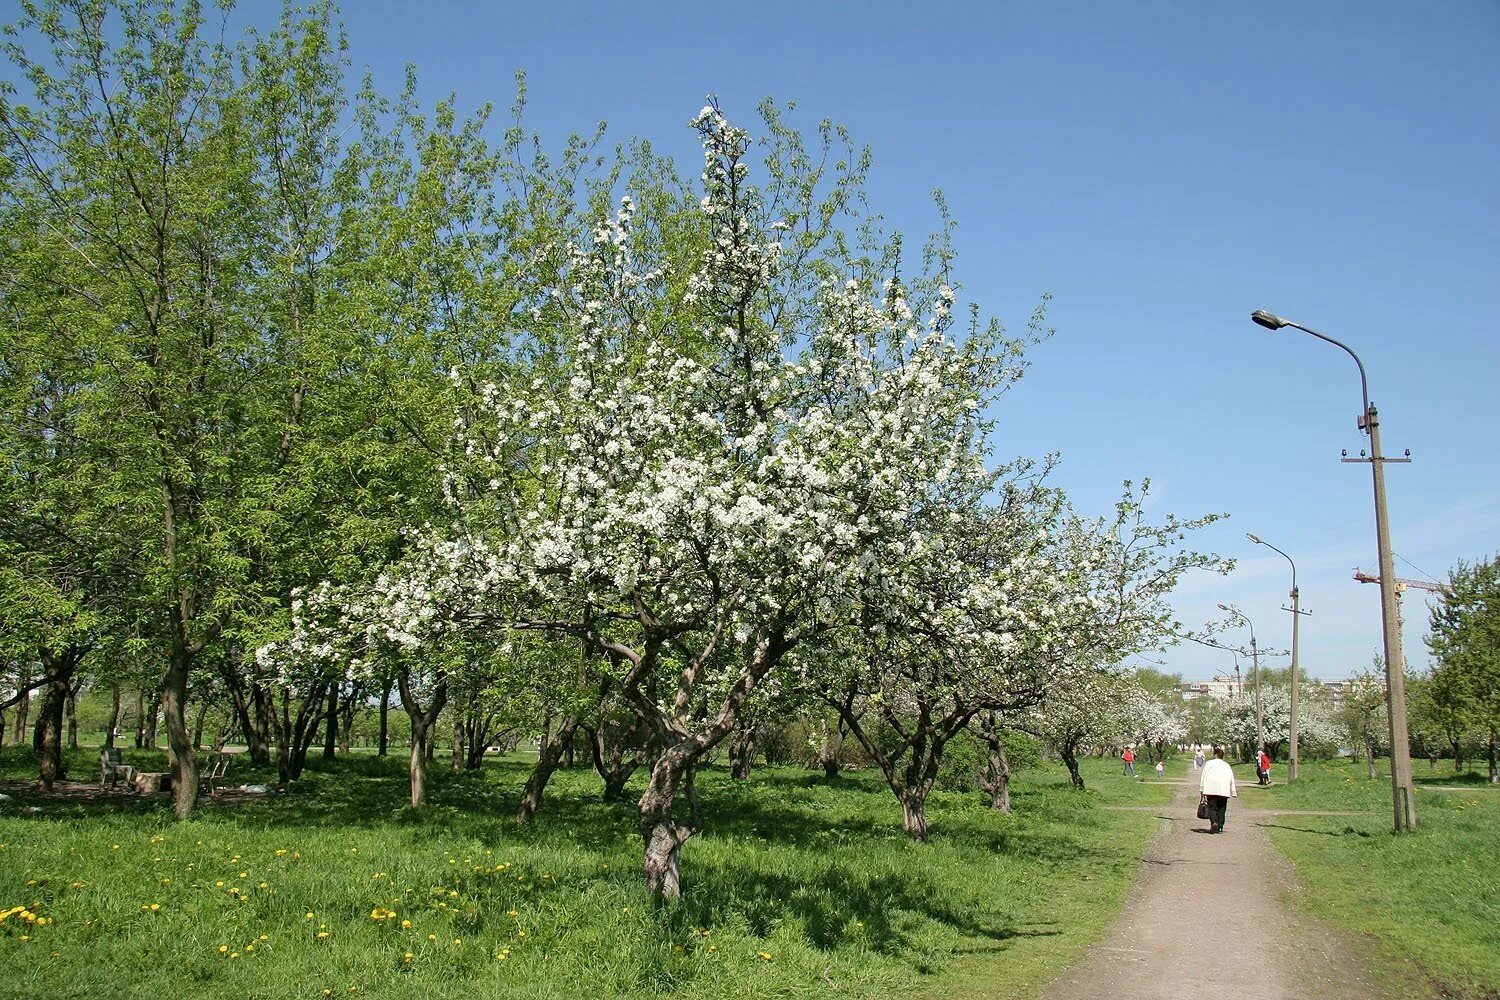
[(1208, 918)]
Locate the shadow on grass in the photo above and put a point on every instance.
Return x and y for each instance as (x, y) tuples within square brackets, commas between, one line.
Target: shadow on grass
[(1465, 780), (1347, 831)]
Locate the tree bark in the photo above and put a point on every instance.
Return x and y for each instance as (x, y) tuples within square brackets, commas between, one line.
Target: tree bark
[(1494, 762), (140, 718), (198, 726), (997, 773), (422, 721), (549, 754), (458, 740), (153, 718), (914, 814), (331, 722), (48, 738), (418, 769), (179, 741), (385, 718), (663, 833), (742, 755), (114, 715), (1071, 759), (72, 711)]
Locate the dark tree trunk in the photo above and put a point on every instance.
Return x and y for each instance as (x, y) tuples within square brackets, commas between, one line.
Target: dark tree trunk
[(742, 754), (614, 761), (23, 707), (331, 722), (179, 742), (1071, 759), (140, 718), (153, 719), (254, 711), (114, 715), (48, 738), (198, 726), (549, 754), (72, 710), (348, 706), (459, 757), (997, 771), (385, 718), (1494, 763), (295, 733)]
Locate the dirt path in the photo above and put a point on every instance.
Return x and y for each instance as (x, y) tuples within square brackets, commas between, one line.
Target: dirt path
[(1208, 918)]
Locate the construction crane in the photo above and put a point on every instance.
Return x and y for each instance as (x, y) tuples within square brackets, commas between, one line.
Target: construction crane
[(1401, 584)]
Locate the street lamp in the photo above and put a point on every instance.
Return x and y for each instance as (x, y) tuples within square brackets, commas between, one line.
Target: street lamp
[(1260, 722), (1403, 801), (1297, 612)]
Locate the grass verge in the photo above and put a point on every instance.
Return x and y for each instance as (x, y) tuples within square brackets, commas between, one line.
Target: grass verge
[(800, 887), (1432, 896)]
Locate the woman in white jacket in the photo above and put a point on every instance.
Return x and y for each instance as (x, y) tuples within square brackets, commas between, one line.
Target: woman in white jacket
[(1217, 784)]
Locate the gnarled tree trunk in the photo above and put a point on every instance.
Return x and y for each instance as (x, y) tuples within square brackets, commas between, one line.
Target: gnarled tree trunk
[(549, 755), (742, 754), (422, 722)]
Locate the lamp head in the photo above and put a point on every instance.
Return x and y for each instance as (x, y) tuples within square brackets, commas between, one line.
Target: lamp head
[(1254, 539), (1225, 607), (1268, 320)]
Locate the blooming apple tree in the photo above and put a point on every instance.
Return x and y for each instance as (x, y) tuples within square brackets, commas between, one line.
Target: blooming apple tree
[(716, 458)]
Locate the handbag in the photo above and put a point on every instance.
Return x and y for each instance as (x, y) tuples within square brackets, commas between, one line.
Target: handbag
[(1203, 807)]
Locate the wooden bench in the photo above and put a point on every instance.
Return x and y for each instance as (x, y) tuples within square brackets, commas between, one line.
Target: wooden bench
[(213, 772), (112, 768)]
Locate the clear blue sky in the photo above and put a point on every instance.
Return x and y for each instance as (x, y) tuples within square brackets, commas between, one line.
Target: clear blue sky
[(1162, 169)]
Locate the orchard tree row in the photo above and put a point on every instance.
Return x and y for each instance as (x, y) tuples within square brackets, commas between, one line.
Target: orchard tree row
[(311, 396)]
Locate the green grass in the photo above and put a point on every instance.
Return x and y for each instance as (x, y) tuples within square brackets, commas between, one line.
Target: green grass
[(1432, 896), (800, 887)]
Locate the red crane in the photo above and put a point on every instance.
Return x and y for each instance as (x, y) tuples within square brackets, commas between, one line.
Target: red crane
[(1401, 584)]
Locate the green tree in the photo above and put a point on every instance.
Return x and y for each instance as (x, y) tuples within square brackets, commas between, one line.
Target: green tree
[(1465, 638)]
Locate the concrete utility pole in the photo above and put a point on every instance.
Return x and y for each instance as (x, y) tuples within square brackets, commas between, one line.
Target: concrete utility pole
[(1293, 756), (1404, 804)]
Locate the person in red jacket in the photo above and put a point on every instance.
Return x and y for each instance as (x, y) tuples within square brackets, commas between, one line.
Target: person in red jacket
[(1263, 766), (1129, 758)]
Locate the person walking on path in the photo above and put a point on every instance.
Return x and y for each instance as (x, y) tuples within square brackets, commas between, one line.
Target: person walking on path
[(1263, 766), (1198, 760), (1160, 770), (1129, 758), (1216, 783)]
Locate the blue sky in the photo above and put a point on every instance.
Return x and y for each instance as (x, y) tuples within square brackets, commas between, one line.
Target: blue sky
[(1162, 169)]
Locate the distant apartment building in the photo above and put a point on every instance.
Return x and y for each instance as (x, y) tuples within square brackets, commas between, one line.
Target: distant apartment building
[(1218, 688)]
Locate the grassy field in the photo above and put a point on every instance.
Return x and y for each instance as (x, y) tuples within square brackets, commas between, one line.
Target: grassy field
[(1433, 896), (800, 887)]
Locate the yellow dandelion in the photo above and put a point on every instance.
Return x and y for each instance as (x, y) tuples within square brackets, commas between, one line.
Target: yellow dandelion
[(432, 937), (223, 949), (406, 957), (309, 915), (234, 954), (406, 925), (764, 956), (265, 937), (249, 947), (458, 940), (511, 913), (321, 935)]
